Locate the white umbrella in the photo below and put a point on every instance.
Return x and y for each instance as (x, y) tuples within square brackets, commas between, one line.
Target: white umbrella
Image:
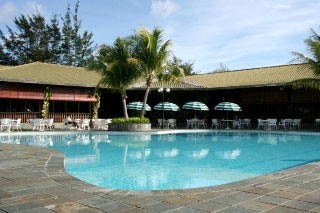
[(227, 106)]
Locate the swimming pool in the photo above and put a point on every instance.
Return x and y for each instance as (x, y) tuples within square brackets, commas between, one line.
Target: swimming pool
[(143, 161)]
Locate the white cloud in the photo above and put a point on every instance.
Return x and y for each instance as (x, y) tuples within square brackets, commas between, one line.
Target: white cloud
[(7, 11), (242, 34), (163, 9)]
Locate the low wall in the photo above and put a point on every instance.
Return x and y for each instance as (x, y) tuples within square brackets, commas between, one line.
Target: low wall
[(129, 127)]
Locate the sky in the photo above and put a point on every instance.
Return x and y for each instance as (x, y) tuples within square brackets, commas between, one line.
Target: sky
[(240, 34)]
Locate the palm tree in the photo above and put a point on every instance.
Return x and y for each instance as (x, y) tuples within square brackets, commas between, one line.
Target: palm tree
[(117, 68), (152, 53), (313, 47)]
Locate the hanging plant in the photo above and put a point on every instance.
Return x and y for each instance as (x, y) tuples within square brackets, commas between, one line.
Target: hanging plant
[(45, 106)]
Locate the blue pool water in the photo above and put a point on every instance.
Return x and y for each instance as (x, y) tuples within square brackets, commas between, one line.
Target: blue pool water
[(175, 161)]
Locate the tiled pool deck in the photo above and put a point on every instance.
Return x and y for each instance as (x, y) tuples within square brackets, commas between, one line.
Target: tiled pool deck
[(33, 179)]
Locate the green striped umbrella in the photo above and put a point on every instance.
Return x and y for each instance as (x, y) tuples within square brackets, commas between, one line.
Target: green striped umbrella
[(228, 106), (198, 106), (138, 106), (166, 106)]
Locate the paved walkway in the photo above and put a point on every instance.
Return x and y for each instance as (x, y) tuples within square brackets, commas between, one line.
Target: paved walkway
[(33, 179)]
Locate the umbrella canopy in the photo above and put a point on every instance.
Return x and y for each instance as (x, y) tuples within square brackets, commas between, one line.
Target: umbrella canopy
[(198, 106), (227, 106), (138, 106), (166, 106)]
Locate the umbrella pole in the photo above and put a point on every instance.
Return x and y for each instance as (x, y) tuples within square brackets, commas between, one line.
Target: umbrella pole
[(227, 121), (195, 114)]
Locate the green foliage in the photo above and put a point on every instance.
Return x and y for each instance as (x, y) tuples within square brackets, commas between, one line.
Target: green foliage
[(313, 61), (117, 67), (45, 106), (152, 53), (133, 120), (96, 105), (222, 68), (186, 66), (36, 40)]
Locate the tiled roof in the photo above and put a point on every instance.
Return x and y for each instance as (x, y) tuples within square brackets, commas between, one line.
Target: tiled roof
[(265, 76), (43, 73), (2, 67)]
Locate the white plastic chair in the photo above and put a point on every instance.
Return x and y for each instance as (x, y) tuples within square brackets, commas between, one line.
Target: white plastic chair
[(261, 125), (296, 123), (236, 124), (103, 124), (282, 124), (85, 124), (189, 123), (17, 124), (202, 124), (246, 123), (172, 123), (38, 124), (159, 123), (272, 124), (67, 125), (5, 124), (215, 123)]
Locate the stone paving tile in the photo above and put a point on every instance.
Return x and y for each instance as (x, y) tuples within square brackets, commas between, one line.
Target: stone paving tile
[(36, 210), (66, 207), (50, 201), (24, 192), (259, 190), (309, 198), (37, 196), (236, 210), (137, 210), (207, 206), (161, 207), (19, 207), (235, 198), (186, 210), (87, 210), (310, 185), (286, 194), (271, 200), (112, 206), (317, 210), (274, 186), (93, 201), (4, 195), (285, 210), (300, 205), (184, 201), (254, 205), (140, 201)]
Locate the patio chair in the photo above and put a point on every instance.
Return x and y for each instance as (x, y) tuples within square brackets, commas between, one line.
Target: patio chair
[(38, 124), (49, 124), (202, 124), (17, 124), (236, 124), (159, 123), (282, 124), (5, 124), (261, 124), (215, 123), (103, 124), (85, 124), (317, 122), (246, 123), (189, 123), (272, 124), (172, 123), (296, 123)]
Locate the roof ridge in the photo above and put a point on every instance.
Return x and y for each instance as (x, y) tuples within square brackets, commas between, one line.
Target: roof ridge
[(248, 69)]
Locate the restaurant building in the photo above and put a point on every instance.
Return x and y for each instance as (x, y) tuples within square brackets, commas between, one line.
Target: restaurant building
[(261, 92)]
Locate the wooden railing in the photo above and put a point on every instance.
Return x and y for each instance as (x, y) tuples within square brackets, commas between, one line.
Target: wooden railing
[(57, 117)]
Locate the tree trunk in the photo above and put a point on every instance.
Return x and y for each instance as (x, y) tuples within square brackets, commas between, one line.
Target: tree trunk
[(124, 104), (145, 101)]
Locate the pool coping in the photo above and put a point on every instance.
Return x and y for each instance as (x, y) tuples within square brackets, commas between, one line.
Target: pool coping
[(297, 188)]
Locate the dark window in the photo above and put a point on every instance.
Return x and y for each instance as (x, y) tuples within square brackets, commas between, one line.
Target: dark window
[(4, 105), (17, 105), (32, 106), (84, 107)]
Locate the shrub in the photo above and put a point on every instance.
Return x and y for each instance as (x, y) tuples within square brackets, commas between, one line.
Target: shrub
[(134, 120)]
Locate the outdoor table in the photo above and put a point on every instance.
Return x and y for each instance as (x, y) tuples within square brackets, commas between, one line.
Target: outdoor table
[(195, 123), (288, 123), (227, 122)]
